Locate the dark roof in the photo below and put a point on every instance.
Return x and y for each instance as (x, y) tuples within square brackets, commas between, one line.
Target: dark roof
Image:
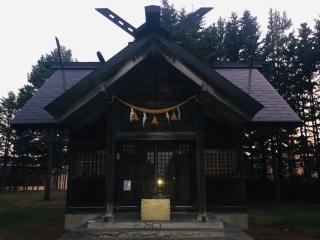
[(251, 81), (33, 112), (275, 110), (217, 65), (75, 65)]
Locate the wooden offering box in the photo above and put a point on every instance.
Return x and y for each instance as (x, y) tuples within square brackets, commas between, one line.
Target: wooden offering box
[(155, 209)]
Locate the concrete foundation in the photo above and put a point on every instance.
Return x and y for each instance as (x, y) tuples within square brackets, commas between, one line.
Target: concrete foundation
[(73, 221), (239, 220), (156, 225), (180, 227)]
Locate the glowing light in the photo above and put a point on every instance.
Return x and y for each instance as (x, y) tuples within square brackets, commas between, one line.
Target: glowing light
[(160, 182)]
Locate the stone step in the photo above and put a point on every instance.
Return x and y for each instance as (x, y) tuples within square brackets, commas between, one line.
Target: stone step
[(160, 234), (155, 225)]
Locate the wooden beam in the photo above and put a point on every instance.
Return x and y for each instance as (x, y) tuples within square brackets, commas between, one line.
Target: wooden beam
[(116, 19), (155, 136), (101, 87), (198, 80)]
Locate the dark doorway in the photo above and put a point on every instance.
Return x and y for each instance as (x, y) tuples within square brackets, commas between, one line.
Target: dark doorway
[(148, 169)]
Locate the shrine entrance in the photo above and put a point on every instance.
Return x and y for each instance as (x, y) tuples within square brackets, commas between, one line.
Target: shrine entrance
[(153, 169)]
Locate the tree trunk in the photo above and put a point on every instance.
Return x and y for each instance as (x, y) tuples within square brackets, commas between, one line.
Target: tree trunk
[(5, 163), (47, 188), (275, 171)]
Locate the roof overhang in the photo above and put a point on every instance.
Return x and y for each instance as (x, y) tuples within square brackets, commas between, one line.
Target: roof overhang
[(220, 97)]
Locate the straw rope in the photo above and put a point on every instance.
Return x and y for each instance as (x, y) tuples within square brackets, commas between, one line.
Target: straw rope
[(154, 110)]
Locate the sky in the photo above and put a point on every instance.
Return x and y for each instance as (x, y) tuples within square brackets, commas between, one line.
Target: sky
[(28, 28)]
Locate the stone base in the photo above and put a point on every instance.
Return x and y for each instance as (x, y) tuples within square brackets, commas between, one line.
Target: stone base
[(108, 218), (156, 225), (215, 229), (202, 218), (73, 221), (239, 220), (158, 234)]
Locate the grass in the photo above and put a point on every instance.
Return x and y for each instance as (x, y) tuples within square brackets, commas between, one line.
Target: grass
[(288, 216), (30, 199), (24, 215), (26, 218)]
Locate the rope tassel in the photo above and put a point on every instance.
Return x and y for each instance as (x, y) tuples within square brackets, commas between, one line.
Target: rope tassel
[(144, 119), (168, 116), (135, 117), (174, 117), (131, 114), (154, 120)]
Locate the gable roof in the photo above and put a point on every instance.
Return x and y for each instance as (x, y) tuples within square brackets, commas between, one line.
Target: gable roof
[(90, 87), (246, 87), (275, 109)]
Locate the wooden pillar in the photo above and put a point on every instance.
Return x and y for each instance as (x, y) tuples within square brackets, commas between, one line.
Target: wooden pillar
[(241, 163), (200, 168), (70, 171), (109, 170), (47, 188)]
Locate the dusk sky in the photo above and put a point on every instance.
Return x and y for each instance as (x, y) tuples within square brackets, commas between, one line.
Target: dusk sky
[(28, 27)]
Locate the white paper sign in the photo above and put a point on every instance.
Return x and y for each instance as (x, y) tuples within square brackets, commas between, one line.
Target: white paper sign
[(126, 185)]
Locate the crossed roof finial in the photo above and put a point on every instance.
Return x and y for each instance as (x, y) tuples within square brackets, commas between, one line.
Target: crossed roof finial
[(153, 18)]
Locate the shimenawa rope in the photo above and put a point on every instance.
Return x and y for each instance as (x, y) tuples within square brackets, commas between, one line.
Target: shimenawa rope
[(154, 110)]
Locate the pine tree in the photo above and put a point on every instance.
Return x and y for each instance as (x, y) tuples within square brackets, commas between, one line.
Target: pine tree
[(307, 68), (211, 42), (232, 39), (8, 108), (169, 16), (249, 36)]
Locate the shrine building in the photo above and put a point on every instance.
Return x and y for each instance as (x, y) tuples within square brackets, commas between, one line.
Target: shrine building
[(154, 122)]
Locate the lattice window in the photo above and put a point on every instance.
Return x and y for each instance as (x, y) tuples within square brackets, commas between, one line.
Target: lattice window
[(163, 162), (90, 162), (129, 148), (222, 162), (183, 149), (150, 157)]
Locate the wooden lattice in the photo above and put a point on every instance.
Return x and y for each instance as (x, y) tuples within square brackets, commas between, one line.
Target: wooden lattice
[(222, 162)]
